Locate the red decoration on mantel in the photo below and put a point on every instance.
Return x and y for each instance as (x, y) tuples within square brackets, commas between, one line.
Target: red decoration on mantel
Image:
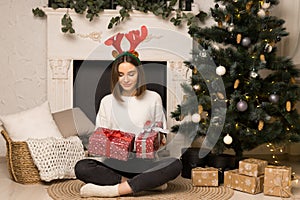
[(135, 37)]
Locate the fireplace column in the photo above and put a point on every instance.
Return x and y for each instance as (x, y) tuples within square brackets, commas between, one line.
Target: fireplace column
[(60, 84)]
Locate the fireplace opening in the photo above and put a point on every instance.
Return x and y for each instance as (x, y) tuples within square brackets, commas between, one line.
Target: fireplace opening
[(91, 82)]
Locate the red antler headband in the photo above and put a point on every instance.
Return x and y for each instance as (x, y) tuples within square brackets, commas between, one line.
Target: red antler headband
[(135, 37)]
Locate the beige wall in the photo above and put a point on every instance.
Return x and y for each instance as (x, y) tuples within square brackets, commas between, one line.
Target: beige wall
[(23, 53)]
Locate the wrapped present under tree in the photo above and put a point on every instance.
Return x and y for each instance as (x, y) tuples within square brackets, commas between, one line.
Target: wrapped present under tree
[(278, 181), (244, 183), (205, 176), (252, 166)]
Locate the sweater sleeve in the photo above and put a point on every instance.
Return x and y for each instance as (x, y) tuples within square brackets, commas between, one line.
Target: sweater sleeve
[(102, 118), (159, 113)]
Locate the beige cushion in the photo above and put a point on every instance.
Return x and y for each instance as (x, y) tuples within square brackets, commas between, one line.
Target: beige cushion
[(73, 122), (65, 122), (34, 123)]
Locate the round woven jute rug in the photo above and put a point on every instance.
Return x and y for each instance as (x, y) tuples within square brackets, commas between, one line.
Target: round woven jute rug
[(179, 188)]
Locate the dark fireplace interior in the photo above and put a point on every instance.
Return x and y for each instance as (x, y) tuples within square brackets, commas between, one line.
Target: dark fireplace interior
[(91, 82)]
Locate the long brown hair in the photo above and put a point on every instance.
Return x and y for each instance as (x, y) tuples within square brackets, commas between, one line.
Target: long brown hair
[(116, 89)]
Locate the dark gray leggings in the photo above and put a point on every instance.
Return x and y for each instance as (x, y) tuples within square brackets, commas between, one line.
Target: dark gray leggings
[(143, 174)]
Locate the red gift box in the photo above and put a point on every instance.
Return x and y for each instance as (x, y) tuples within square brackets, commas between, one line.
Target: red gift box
[(111, 143), (148, 141)]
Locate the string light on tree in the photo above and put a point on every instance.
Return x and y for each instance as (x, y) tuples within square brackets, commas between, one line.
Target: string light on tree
[(227, 139)]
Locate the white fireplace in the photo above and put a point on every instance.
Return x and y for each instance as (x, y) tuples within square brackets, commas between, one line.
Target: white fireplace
[(165, 42)]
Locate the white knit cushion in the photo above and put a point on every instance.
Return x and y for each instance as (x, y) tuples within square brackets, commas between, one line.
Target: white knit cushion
[(35, 123)]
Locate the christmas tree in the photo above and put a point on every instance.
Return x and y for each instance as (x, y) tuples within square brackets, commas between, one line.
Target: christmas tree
[(241, 94)]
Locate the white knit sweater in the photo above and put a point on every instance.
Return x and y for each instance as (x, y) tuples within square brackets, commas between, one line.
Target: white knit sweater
[(130, 115)]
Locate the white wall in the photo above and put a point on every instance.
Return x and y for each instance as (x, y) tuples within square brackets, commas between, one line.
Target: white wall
[(23, 52), (23, 57)]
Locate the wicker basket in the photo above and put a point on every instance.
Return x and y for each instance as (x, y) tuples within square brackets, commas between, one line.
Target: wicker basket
[(20, 164)]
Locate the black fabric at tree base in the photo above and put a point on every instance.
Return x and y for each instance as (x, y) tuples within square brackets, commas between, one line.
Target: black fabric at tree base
[(190, 159), (223, 162)]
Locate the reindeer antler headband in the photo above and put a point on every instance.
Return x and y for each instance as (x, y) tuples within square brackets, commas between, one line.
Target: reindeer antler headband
[(135, 37)]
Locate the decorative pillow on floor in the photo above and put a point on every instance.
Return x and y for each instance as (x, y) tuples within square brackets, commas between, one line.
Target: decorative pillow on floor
[(74, 122), (34, 123)]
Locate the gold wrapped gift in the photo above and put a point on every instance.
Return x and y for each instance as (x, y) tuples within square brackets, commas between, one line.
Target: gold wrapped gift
[(205, 176), (252, 167), (244, 183), (278, 181)]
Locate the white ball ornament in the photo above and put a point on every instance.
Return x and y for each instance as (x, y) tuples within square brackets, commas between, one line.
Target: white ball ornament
[(268, 48), (227, 139), (196, 118), (266, 5), (261, 13), (220, 70)]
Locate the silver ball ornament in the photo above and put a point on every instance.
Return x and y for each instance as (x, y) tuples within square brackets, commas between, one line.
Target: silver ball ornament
[(242, 106), (274, 98), (246, 41)]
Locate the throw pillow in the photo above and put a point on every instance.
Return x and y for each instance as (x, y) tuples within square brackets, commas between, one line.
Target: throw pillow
[(34, 123), (65, 122)]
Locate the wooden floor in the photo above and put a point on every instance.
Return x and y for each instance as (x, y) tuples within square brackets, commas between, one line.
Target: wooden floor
[(10, 190)]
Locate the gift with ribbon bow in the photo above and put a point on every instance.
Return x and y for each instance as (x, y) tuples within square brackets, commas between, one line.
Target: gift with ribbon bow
[(278, 181), (148, 141), (111, 143)]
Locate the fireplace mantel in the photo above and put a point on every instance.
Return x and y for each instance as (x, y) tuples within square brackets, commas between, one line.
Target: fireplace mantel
[(165, 42)]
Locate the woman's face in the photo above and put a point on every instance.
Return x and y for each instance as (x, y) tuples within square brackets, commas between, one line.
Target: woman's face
[(128, 76)]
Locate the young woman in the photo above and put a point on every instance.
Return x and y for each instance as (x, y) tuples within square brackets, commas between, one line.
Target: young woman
[(127, 108)]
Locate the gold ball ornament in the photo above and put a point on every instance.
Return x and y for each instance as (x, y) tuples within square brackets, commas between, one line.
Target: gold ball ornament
[(227, 18), (260, 125), (220, 24), (236, 83), (288, 106), (249, 6), (220, 95), (262, 58), (200, 109), (293, 80), (238, 38)]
